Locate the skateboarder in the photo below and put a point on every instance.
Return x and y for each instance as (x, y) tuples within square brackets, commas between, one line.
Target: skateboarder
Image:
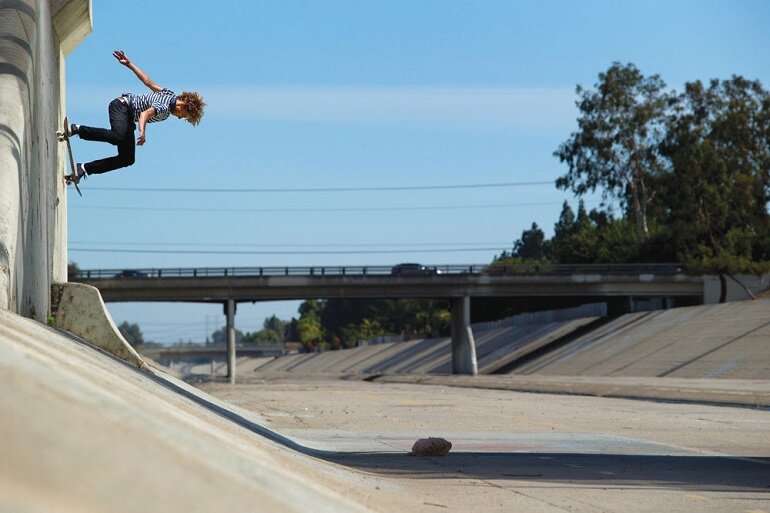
[(129, 109)]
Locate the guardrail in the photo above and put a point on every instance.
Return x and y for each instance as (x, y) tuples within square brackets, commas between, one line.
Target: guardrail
[(378, 270)]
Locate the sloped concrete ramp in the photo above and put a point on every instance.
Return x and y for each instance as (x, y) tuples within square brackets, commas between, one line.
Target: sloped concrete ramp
[(84, 431), (495, 348), (724, 341), (730, 340)]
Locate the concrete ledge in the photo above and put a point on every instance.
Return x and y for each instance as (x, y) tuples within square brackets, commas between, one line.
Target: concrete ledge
[(79, 309), (72, 21)]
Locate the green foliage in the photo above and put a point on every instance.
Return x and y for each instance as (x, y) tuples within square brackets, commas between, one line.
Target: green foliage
[(594, 237), (354, 320), (273, 331), (337, 323), (364, 330), (309, 329), (265, 336), (72, 270), (727, 264), (220, 336), (531, 245), (132, 333), (692, 171), (614, 149), (714, 198)]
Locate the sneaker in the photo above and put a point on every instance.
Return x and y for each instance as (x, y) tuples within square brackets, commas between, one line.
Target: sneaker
[(80, 174), (70, 128)]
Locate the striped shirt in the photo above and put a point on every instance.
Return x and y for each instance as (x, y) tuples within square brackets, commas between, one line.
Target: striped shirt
[(161, 101)]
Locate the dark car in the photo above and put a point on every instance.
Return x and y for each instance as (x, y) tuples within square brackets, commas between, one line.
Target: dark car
[(411, 269), (131, 273)]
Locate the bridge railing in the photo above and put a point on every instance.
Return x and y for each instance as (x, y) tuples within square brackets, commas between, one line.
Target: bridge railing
[(377, 270)]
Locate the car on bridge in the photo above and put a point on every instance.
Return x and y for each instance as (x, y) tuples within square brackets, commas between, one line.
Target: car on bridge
[(412, 269), (131, 273)]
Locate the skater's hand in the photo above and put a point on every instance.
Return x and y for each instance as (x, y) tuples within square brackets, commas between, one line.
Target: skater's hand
[(143, 117), (121, 57), (141, 75)]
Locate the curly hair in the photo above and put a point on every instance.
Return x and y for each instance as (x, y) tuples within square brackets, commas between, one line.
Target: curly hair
[(194, 104)]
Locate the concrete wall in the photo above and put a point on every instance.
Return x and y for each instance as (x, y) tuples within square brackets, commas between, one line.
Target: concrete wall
[(35, 36)]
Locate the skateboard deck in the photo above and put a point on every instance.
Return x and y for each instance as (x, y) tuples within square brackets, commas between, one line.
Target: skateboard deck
[(71, 178)]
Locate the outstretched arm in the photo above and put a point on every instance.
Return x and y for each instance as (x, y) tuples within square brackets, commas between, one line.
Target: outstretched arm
[(141, 75)]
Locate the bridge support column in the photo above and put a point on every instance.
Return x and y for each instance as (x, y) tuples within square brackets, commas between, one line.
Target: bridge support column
[(463, 345), (230, 313)]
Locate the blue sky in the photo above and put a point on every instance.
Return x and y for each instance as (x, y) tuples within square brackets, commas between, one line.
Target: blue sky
[(310, 95)]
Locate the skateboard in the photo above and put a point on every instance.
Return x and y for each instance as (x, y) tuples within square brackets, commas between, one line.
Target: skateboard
[(71, 178)]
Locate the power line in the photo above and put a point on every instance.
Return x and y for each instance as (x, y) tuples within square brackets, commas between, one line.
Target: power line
[(283, 252), (313, 209), (326, 189), (293, 245)]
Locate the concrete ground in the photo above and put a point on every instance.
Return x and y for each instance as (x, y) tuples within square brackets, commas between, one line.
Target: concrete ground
[(83, 431), (516, 451)]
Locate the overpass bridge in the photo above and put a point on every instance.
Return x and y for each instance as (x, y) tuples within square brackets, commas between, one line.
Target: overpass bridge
[(230, 285), (218, 285)]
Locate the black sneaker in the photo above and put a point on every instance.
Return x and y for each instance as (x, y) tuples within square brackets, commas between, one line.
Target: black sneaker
[(80, 174)]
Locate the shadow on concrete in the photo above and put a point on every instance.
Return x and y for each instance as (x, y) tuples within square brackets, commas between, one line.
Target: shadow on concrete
[(701, 473), (696, 473)]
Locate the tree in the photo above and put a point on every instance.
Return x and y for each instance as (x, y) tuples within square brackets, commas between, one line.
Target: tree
[(273, 332), (72, 271), (574, 238), (309, 325), (265, 336), (365, 330), (220, 336), (131, 333), (531, 244), (276, 325), (567, 223), (714, 196), (343, 322), (615, 147)]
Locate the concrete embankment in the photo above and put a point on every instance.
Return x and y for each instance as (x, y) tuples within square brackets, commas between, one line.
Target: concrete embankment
[(84, 431), (711, 353)]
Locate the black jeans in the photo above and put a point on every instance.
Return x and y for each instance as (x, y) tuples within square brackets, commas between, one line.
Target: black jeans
[(120, 133)]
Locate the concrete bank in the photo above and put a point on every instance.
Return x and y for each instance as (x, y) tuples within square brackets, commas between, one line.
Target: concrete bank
[(725, 341), (717, 354), (752, 393), (85, 431)]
